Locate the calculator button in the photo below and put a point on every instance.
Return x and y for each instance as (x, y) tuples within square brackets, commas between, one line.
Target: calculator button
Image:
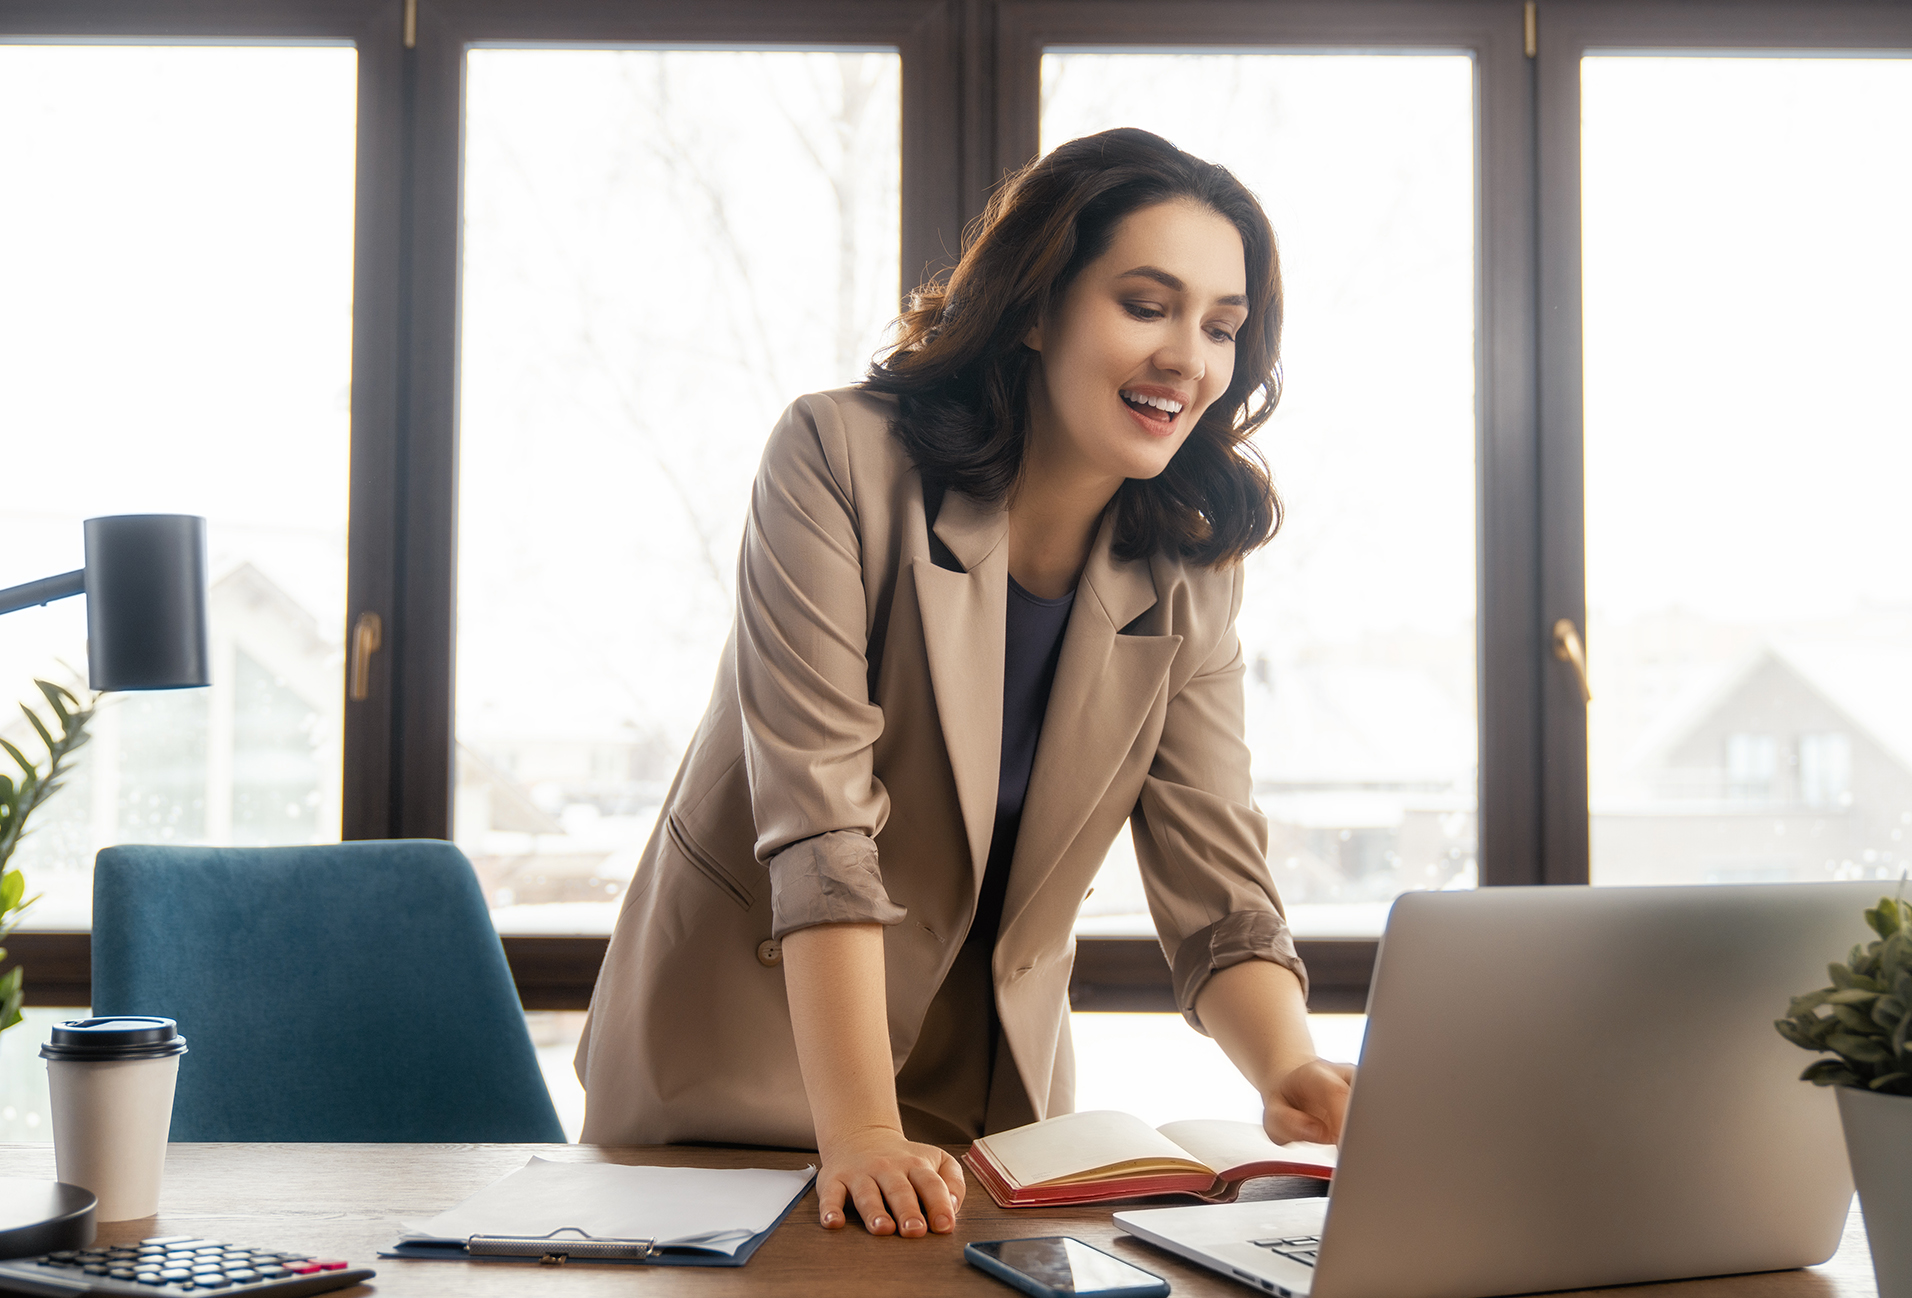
[(303, 1268), (328, 1265), (242, 1275), (95, 1268), (211, 1281), (150, 1277), (175, 1275)]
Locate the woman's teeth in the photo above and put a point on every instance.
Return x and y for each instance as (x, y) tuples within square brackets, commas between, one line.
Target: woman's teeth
[(1167, 405)]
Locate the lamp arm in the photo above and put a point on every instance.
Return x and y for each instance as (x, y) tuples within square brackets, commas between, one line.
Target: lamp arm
[(43, 591)]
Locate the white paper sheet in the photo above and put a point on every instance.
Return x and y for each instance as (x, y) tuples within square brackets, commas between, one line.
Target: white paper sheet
[(711, 1208)]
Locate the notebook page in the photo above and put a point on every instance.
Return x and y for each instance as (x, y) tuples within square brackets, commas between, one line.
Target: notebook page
[(1077, 1143), (1224, 1145)]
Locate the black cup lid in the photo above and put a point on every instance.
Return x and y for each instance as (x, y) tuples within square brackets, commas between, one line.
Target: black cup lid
[(129, 1036)]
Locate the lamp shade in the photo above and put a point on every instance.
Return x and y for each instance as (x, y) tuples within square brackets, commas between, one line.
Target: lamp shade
[(146, 602)]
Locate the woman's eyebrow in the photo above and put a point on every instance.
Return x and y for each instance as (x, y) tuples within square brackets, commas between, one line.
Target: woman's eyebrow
[(1175, 284)]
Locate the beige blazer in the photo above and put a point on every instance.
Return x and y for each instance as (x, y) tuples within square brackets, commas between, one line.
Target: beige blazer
[(846, 770)]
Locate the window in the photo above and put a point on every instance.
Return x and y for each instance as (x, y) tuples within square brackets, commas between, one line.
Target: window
[(1358, 624), (180, 341), (1744, 435), (636, 318)]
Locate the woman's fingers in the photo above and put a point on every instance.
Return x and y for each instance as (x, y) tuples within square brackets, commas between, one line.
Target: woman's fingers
[(870, 1206), (951, 1172), (901, 1195), (830, 1194), (939, 1206), (1310, 1103)]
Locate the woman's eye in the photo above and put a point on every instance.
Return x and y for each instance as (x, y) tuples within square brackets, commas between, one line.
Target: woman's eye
[(1222, 335), (1144, 310)]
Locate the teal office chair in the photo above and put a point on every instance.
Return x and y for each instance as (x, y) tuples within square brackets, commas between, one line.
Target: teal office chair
[(355, 992)]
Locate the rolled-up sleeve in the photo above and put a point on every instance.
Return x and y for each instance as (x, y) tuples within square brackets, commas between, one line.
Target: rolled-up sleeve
[(829, 879), (803, 680), (1199, 839)]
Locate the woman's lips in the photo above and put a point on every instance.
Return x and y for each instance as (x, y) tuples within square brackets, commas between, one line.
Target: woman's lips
[(1152, 419)]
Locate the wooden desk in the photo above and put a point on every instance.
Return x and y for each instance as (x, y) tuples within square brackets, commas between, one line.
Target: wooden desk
[(346, 1201)]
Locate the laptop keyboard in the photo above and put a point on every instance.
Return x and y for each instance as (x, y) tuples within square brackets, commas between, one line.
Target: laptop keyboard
[(1299, 1248)]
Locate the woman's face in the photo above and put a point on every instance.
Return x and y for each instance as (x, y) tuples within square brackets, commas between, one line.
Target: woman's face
[(1140, 345)]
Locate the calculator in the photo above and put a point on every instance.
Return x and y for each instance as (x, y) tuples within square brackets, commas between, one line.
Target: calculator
[(177, 1264)]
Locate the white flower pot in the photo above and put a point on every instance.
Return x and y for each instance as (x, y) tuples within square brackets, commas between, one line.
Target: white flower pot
[(1879, 1143)]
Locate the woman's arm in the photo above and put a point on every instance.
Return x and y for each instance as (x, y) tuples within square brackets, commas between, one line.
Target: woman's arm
[(1256, 1012), (834, 977)]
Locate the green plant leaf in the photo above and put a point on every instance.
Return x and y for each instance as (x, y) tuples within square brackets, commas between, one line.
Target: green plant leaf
[(1829, 1072), (19, 757), (1853, 996), (1808, 1003), (1854, 1048), (1791, 1031), (1861, 1024), (53, 693), (1884, 918), (1841, 975), (1890, 1079), (39, 726)]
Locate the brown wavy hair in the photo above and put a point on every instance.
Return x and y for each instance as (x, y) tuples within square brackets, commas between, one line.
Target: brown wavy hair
[(960, 371)]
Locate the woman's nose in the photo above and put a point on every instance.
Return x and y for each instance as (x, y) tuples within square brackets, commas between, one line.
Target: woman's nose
[(1181, 354)]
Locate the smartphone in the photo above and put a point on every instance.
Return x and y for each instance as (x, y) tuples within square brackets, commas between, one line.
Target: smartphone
[(1055, 1266)]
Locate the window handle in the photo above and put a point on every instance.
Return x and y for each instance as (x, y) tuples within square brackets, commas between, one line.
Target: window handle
[(365, 638), (1569, 650)]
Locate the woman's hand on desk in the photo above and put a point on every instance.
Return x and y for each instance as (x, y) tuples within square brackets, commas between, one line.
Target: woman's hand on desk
[(898, 1186), (1308, 1102)]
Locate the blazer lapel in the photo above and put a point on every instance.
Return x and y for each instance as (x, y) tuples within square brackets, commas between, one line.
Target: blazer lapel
[(963, 630), (1106, 683)]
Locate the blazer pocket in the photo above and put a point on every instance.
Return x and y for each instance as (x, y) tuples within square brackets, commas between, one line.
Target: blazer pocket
[(708, 865)]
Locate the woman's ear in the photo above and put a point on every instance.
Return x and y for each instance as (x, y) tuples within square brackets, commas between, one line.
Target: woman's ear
[(1033, 339)]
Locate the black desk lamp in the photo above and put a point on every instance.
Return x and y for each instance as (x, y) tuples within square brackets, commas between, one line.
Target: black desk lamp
[(145, 588)]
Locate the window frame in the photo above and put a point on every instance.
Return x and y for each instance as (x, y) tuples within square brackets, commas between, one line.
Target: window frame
[(971, 85)]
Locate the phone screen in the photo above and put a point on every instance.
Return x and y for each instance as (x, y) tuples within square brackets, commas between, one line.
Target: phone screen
[(1069, 1266)]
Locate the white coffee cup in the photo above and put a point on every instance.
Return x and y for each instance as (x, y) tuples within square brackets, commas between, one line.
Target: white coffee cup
[(111, 1085)]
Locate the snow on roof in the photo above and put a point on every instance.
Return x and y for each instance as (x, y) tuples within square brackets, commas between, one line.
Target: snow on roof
[(1870, 681)]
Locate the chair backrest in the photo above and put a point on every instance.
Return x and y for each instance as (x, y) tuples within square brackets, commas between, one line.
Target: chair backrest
[(353, 992)]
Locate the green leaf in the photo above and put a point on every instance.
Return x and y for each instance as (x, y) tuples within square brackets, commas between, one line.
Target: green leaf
[(1793, 1033), (1884, 918), (13, 886), (19, 757), (1853, 996), (1841, 975), (1829, 1072), (39, 726), (1852, 1047), (53, 693), (1808, 1003), (1880, 1083), (1887, 1011), (1862, 1024)]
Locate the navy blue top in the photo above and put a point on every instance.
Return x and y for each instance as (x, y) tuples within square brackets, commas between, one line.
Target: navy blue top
[(1032, 646)]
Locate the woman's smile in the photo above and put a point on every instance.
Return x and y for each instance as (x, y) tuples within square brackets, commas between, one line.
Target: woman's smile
[(1140, 344), (1156, 409)]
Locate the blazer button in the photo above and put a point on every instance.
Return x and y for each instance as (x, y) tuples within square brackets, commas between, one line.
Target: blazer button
[(769, 953)]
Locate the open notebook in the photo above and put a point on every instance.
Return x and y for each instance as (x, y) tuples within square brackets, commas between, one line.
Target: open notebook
[(1099, 1156)]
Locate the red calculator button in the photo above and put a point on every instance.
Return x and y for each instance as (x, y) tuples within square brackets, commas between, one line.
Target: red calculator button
[(303, 1268), (327, 1265)]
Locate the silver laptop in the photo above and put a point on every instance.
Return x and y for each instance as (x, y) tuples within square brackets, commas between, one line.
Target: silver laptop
[(1562, 1088)]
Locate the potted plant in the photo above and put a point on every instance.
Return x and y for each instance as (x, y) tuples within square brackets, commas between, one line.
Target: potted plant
[(1863, 1020), (18, 800)]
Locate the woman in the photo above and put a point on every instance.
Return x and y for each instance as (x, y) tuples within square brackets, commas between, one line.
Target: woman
[(986, 609)]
